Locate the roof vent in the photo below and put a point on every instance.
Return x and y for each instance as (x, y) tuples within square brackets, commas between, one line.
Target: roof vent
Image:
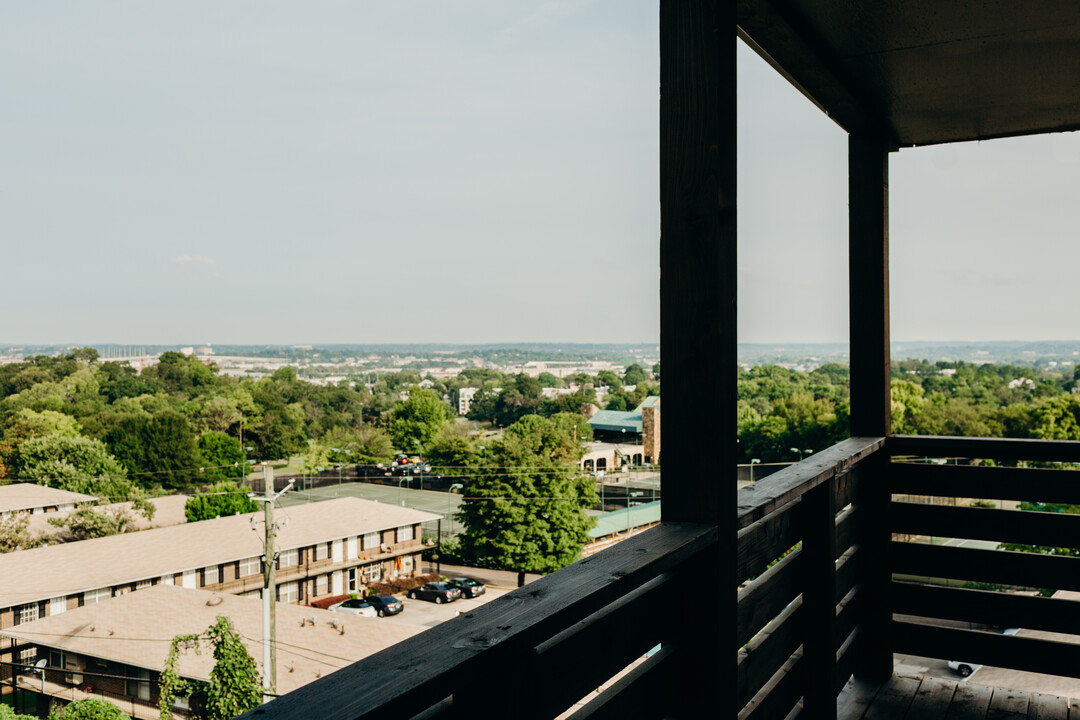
[(216, 600)]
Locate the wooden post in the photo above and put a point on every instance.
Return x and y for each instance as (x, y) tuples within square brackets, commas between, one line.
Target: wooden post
[(868, 255), (697, 329), (819, 601)]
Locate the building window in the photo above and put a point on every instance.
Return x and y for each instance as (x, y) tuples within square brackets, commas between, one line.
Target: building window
[(372, 540), (143, 584), (250, 566), (28, 657), (352, 579), (168, 580), (289, 592), (28, 613), (252, 594), (405, 532), (373, 573), (211, 576), (288, 558), (407, 564), (322, 551), (138, 685), (91, 597), (321, 584), (58, 606)]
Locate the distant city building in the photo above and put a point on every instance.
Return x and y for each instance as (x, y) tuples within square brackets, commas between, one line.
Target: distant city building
[(640, 426), (465, 396)]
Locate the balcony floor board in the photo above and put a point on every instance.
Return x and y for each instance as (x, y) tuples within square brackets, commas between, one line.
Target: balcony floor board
[(915, 697)]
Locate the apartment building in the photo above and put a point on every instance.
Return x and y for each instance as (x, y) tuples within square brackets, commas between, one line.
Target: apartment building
[(116, 650), (326, 548), (32, 499)]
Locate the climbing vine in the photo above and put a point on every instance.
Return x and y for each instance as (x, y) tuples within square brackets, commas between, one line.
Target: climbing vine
[(235, 685), (169, 682)]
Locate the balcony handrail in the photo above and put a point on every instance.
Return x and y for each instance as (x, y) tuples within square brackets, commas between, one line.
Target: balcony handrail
[(770, 494), (420, 672)]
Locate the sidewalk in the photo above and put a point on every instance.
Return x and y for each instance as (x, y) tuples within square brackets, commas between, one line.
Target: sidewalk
[(494, 578)]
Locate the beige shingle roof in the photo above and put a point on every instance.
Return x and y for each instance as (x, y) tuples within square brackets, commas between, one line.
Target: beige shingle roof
[(25, 496), (170, 511), (48, 572), (136, 629)]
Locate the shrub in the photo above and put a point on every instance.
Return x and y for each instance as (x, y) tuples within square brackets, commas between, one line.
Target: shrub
[(400, 585)]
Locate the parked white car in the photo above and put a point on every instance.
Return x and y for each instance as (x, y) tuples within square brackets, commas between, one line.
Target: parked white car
[(355, 606)]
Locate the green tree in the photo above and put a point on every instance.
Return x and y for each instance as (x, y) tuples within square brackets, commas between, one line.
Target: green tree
[(62, 461), (418, 419), (219, 501), (88, 522), (6, 713), (635, 374), (30, 423), (452, 455), (525, 508), (89, 709), (15, 535), (169, 452), (223, 457)]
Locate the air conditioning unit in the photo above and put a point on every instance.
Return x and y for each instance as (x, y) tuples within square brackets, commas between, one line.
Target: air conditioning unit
[(386, 548)]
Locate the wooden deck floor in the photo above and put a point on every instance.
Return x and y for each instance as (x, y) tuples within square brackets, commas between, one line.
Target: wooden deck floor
[(910, 697)]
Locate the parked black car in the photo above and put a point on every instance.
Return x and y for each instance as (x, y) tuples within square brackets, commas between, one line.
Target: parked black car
[(436, 592), (385, 604), (469, 587)]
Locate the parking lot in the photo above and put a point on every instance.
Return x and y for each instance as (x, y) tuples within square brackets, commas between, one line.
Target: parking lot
[(427, 614)]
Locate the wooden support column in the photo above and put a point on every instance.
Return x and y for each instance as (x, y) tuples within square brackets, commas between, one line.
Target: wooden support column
[(819, 601), (697, 331), (868, 257)]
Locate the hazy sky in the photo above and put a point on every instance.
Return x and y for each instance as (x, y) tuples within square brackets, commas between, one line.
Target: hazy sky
[(475, 171)]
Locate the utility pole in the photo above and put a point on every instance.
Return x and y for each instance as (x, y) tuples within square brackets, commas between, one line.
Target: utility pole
[(269, 584)]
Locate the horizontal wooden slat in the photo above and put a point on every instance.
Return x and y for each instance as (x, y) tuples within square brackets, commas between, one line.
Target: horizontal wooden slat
[(992, 566), (764, 599), (847, 570), (984, 448), (766, 496), (1015, 526), (847, 657), (419, 672), (557, 662), (637, 694), (847, 528), (768, 651), (779, 696), (848, 614), (767, 539), (986, 607), (973, 646), (997, 483)]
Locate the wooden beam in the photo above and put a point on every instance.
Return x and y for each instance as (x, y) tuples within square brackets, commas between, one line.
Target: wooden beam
[(871, 407), (994, 448), (787, 43), (697, 325), (868, 262)]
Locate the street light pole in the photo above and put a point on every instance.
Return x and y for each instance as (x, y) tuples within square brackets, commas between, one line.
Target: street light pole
[(449, 515)]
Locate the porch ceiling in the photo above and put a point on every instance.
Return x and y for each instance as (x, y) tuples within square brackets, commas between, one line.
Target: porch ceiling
[(924, 71)]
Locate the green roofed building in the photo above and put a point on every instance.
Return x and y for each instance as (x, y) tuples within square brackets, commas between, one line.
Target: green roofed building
[(640, 426)]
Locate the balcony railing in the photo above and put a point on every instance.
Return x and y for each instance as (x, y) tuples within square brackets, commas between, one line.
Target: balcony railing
[(815, 557)]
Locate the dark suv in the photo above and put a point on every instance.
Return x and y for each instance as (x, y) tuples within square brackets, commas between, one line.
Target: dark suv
[(436, 592), (469, 587), (385, 604)]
